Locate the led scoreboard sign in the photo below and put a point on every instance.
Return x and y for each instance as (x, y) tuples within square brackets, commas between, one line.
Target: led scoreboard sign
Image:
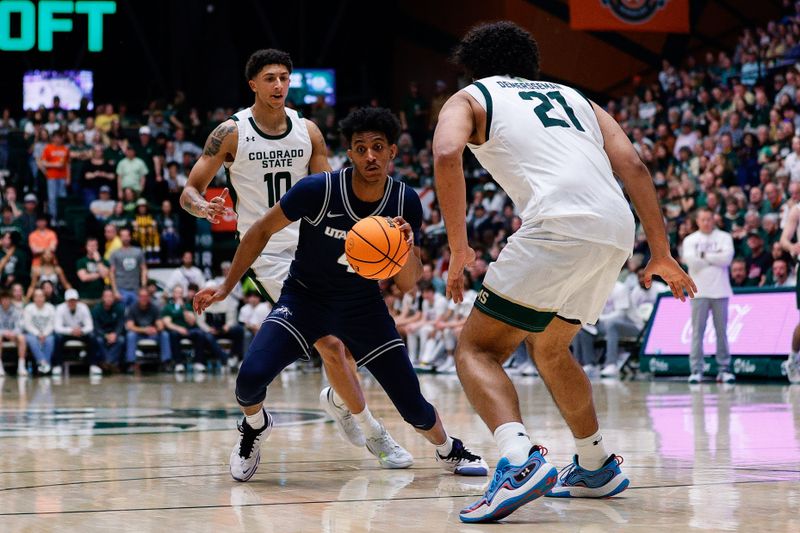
[(25, 25)]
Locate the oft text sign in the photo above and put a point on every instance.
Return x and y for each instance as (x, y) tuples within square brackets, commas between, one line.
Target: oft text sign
[(25, 25)]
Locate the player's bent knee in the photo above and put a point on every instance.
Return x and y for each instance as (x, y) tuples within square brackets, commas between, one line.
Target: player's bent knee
[(422, 416)]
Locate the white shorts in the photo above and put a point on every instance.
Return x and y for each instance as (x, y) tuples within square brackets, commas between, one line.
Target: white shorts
[(270, 270), (539, 275)]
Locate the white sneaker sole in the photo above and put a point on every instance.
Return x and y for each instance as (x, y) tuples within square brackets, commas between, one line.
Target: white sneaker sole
[(507, 501), (609, 489)]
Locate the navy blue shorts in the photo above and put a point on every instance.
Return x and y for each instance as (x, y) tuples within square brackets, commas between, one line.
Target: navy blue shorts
[(299, 320)]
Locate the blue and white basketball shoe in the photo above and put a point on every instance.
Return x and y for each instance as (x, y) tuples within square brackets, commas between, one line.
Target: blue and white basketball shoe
[(512, 487), (577, 482)]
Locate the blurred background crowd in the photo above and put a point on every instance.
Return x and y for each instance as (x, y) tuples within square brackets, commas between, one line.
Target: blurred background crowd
[(90, 216)]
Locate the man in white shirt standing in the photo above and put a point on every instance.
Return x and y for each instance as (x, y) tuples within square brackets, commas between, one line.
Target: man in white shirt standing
[(708, 253)]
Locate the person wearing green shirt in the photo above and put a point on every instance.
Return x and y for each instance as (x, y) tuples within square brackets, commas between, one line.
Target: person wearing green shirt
[(92, 272), (180, 321), (131, 172)]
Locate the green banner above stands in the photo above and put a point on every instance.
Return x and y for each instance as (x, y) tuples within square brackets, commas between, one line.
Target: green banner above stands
[(25, 25)]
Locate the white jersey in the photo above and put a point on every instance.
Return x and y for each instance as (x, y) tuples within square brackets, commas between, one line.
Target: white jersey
[(545, 149), (265, 167)]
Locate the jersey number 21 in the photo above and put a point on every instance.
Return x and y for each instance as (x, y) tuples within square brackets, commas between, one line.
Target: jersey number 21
[(546, 105)]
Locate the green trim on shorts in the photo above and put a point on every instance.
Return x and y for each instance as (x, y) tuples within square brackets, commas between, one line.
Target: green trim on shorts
[(511, 313), (251, 275)]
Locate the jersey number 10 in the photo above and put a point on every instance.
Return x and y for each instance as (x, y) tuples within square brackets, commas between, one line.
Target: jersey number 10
[(277, 185), (542, 109)]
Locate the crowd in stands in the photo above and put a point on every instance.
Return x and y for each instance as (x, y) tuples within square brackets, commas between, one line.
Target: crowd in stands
[(719, 132)]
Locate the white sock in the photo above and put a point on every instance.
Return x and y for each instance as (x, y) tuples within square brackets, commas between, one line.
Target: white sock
[(591, 451), (513, 441), (371, 427), (256, 421), (445, 448)]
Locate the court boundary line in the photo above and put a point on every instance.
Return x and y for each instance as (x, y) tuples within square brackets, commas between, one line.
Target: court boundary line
[(362, 500)]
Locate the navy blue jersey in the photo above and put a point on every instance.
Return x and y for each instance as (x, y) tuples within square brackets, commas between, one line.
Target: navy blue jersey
[(328, 209)]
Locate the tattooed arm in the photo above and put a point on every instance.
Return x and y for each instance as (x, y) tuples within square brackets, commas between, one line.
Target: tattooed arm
[(319, 150), (220, 147)]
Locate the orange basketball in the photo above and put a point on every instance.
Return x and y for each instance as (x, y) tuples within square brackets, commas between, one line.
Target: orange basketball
[(375, 248)]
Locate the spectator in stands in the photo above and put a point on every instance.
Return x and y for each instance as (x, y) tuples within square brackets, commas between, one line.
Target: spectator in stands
[(55, 161), (225, 268), (145, 232), (433, 307), (220, 319), (708, 253), (183, 146), (142, 321), (108, 317), (413, 114), (12, 201), (739, 274), (103, 207), (14, 264), (27, 220), (99, 175), (630, 324), (779, 275), (18, 299), (180, 322), (759, 260), (448, 328), (105, 117), (168, 225), (131, 172), (128, 270), (11, 331), (615, 310), (8, 224), (251, 315), (39, 325), (176, 180), (120, 218), (42, 239), (92, 272), (73, 322), (186, 273), (113, 242), (49, 271)]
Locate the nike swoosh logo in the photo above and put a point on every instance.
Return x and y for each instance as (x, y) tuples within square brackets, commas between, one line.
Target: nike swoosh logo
[(334, 215)]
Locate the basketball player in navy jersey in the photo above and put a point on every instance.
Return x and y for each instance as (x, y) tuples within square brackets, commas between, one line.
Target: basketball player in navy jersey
[(323, 296), (266, 149)]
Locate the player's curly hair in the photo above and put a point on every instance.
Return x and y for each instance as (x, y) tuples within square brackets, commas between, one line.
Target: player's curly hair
[(267, 56), (498, 49), (377, 119)]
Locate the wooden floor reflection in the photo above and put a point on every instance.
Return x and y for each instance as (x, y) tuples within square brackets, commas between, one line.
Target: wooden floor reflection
[(150, 454)]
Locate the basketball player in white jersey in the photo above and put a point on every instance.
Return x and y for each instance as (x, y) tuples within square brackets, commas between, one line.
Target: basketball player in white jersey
[(791, 229), (555, 155), (265, 149)]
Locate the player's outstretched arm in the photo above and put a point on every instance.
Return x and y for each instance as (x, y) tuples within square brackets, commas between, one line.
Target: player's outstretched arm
[(456, 126), (248, 250), (626, 164), (220, 146)]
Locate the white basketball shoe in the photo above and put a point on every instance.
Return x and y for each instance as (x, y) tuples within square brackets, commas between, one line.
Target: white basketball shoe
[(246, 453)]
